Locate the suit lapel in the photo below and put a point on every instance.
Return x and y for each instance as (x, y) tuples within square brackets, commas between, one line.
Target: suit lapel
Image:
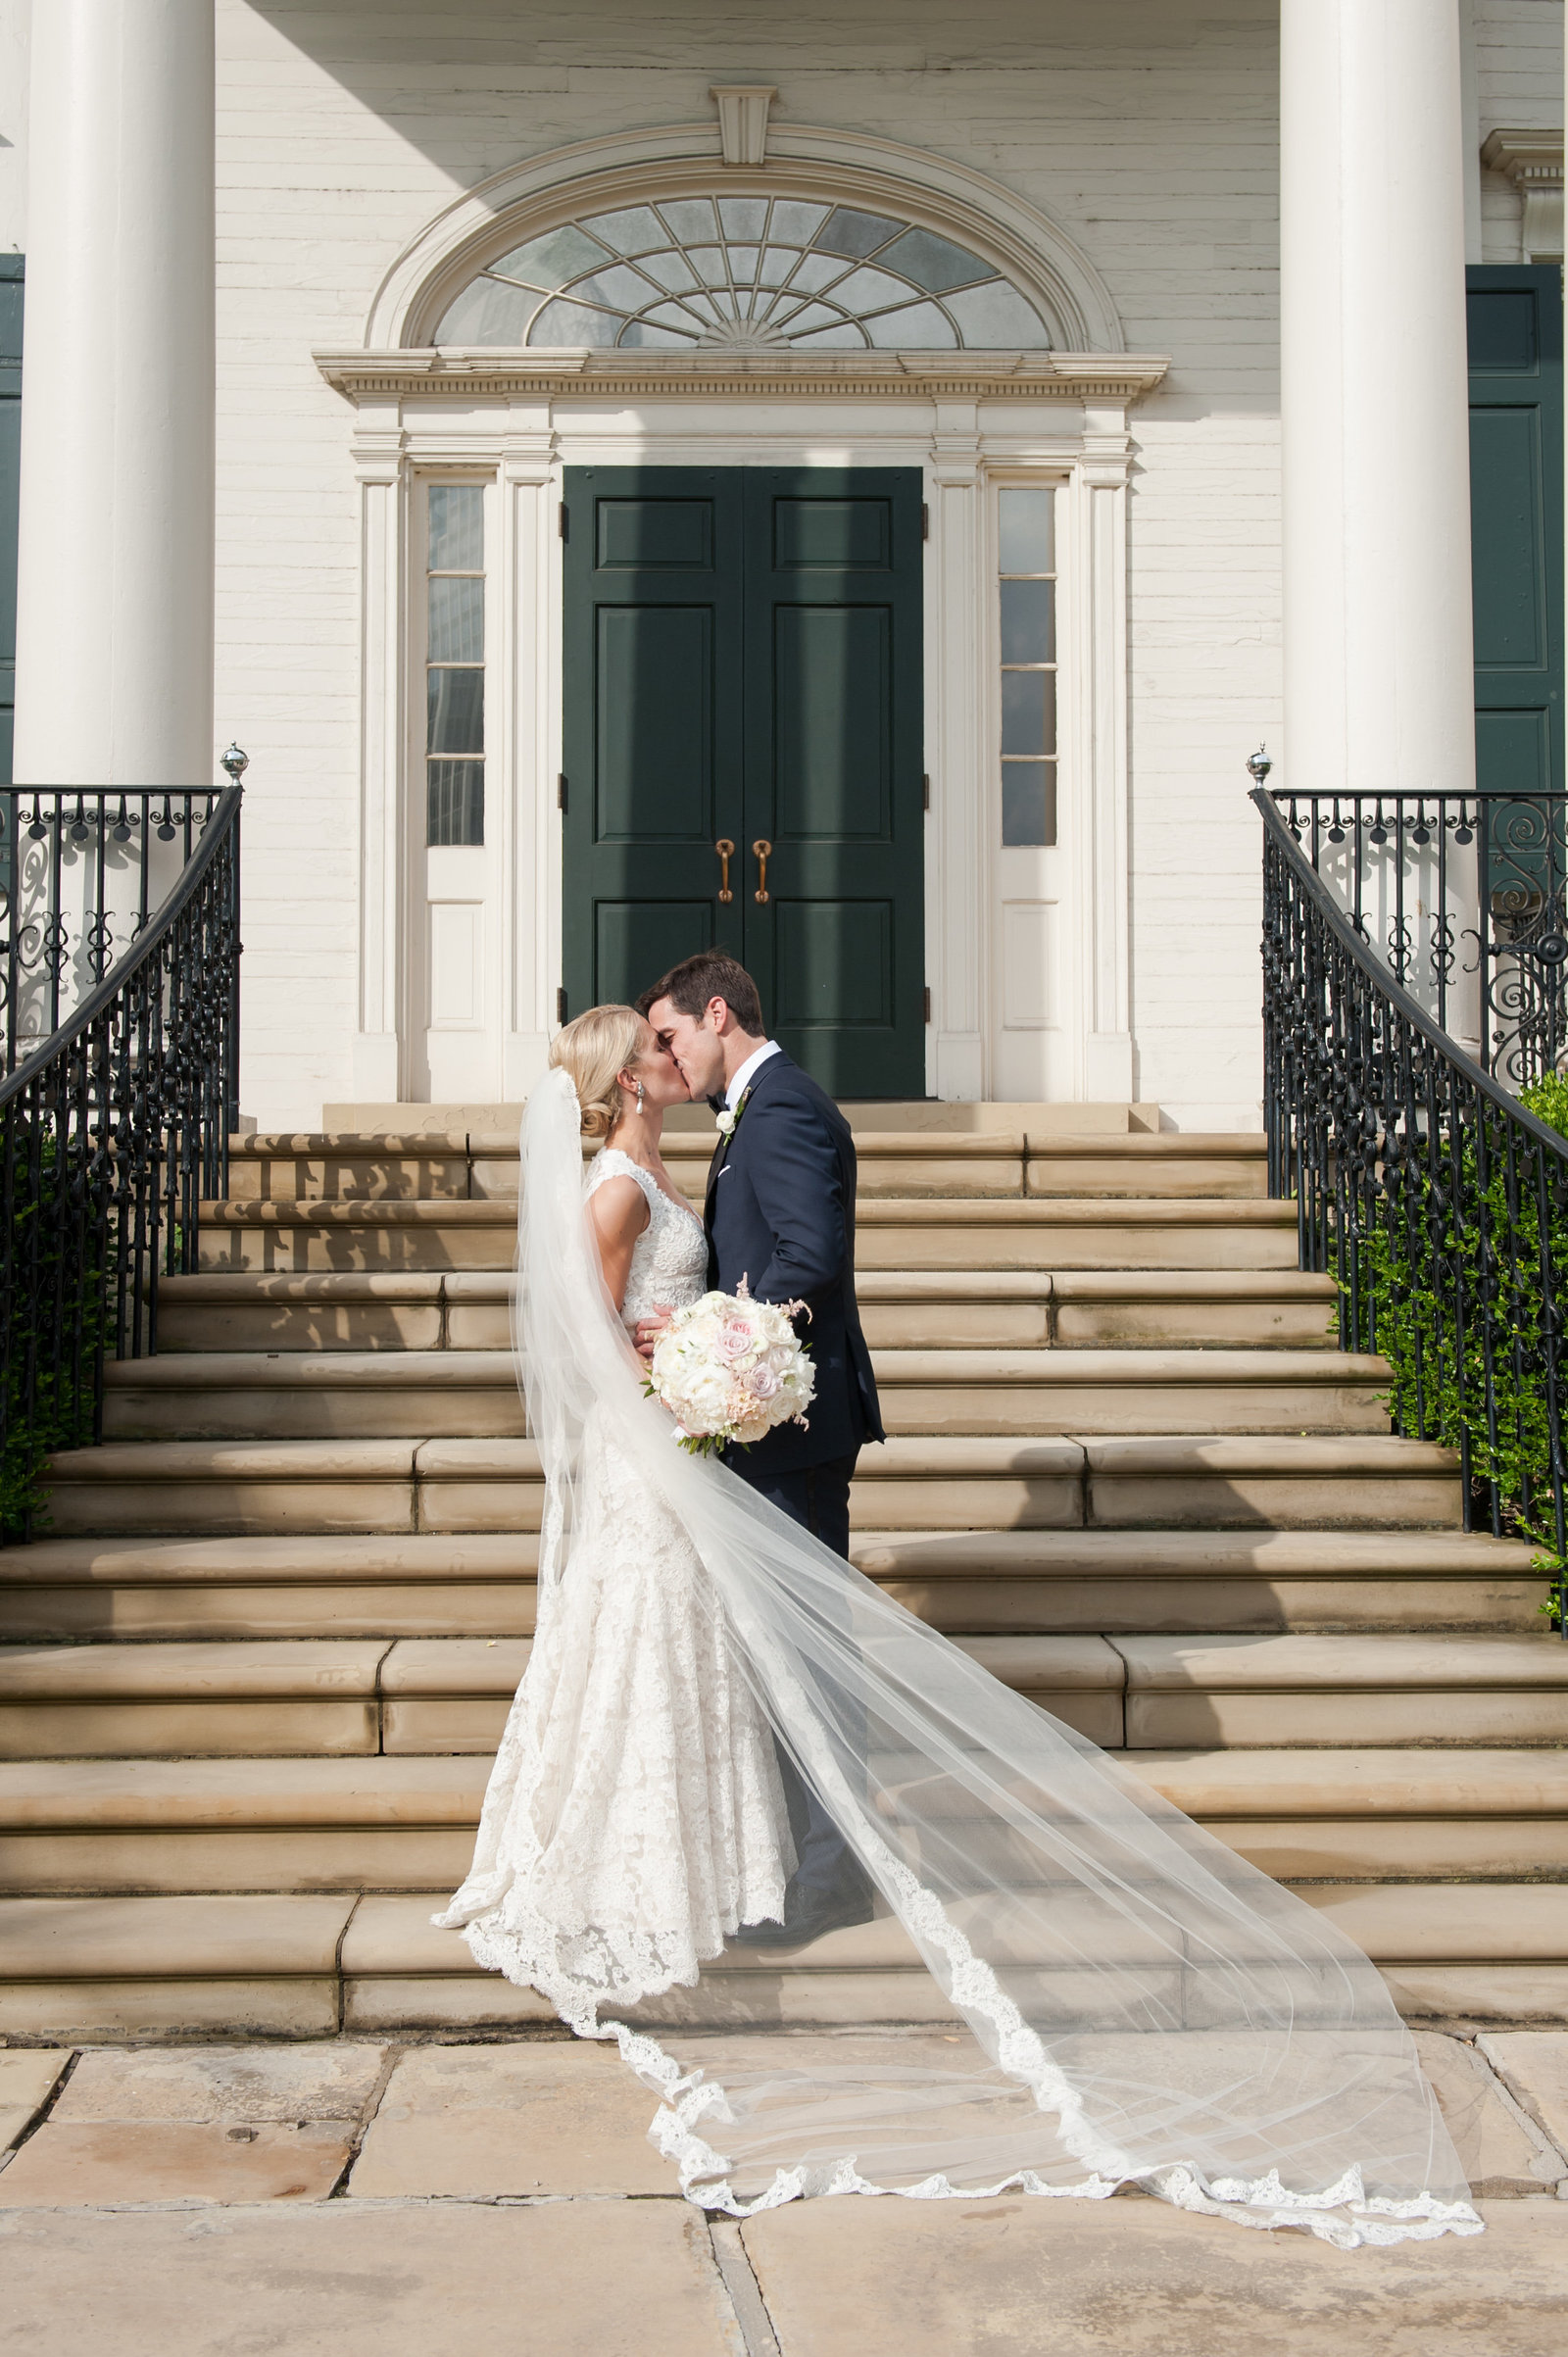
[(758, 1083), (713, 1169)]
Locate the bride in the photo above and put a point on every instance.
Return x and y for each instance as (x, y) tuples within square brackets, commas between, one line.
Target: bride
[(1111, 1998)]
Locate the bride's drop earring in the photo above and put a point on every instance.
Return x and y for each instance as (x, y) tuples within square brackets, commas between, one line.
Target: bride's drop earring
[(639, 1096)]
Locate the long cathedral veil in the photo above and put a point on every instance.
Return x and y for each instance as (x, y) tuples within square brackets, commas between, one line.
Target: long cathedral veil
[(1115, 1999)]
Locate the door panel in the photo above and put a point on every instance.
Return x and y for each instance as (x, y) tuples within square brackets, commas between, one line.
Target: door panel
[(636, 941), (832, 755), (652, 740), (813, 532), (743, 652), (656, 724), (835, 965), (833, 770)]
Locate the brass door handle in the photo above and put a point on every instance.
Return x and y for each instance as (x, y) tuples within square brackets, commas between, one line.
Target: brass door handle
[(764, 852), (726, 851)]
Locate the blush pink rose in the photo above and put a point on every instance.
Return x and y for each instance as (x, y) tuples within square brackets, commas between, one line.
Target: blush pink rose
[(734, 1338)]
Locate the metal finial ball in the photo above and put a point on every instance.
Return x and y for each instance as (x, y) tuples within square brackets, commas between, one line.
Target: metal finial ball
[(237, 764), (1259, 764)]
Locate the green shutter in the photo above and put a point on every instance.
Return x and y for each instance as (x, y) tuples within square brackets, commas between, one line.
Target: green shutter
[(11, 270), (1516, 508)]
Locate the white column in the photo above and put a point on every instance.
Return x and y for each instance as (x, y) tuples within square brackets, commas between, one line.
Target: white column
[(1374, 396), (115, 623)]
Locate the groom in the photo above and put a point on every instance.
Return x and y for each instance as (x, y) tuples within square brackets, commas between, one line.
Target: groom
[(780, 1214)]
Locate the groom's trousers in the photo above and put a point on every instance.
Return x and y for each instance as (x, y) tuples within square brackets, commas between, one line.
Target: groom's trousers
[(817, 1498)]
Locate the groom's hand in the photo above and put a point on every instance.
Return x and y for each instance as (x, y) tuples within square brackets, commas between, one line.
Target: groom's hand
[(649, 1329)]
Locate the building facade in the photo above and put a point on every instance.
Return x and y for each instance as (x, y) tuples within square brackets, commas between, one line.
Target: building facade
[(857, 440)]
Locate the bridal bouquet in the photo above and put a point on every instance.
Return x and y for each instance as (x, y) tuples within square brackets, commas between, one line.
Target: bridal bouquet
[(729, 1368)]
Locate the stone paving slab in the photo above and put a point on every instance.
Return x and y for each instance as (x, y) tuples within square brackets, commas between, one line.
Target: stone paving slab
[(246, 2084), (1498, 2152), (69, 2164), (27, 2079), (1533, 2064), (532, 2119), (1122, 2277), (629, 2279)]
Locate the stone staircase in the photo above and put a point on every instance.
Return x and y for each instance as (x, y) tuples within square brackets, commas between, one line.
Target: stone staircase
[(250, 1680)]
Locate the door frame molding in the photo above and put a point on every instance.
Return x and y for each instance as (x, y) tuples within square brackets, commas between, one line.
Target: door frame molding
[(961, 446)]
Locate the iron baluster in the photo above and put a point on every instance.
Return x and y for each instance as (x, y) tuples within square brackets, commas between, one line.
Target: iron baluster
[(112, 1128), (1437, 1201)]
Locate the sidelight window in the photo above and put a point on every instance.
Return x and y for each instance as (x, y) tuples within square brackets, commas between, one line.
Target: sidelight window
[(1027, 589), (454, 673)]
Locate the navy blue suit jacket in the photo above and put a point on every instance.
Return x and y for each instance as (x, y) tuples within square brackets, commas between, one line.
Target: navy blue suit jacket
[(780, 1213)]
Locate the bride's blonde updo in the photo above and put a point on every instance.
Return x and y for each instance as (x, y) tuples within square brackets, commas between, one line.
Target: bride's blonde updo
[(591, 1050)]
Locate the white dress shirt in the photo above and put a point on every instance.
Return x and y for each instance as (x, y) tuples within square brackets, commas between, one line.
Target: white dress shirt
[(748, 1074)]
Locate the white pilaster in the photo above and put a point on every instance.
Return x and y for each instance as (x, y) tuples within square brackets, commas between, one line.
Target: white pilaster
[(378, 466), (531, 928), (1101, 839), (1378, 654), (956, 862), (115, 631)]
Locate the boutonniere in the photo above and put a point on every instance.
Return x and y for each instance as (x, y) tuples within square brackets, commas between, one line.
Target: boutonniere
[(730, 1118)]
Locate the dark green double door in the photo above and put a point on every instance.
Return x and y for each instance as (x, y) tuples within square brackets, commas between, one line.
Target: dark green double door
[(742, 668)]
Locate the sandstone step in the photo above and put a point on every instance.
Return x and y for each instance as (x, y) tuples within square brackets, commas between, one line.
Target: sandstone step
[(127, 1967), (306, 1584), (1367, 1480), (1087, 1392), (216, 1487), (337, 1697), (936, 1483), (1170, 1163), (311, 1699), (107, 1968), (407, 1823), (1056, 1233), (419, 1121), (241, 1825), (1369, 1814), (291, 1394), (1276, 1693), (1509, 1963), (1048, 1483), (998, 1161), (1030, 1582), (255, 1310)]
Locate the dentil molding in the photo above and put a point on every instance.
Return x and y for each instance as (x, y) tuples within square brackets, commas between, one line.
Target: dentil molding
[(489, 375)]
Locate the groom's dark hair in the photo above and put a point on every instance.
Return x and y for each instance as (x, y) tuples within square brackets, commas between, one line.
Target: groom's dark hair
[(690, 985)]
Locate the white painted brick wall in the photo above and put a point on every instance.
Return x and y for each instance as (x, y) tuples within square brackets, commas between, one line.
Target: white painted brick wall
[(1149, 132)]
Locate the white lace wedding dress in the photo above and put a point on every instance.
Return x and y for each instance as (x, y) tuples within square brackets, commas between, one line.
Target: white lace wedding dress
[(1113, 1997), (634, 1817)]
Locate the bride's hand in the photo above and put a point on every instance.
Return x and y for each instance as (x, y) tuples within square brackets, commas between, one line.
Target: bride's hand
[(649, 1329)]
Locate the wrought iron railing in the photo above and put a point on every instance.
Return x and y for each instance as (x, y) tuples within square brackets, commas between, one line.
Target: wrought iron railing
[(1465, 897), (82, 869), (1433, 1197), (112, 1133)]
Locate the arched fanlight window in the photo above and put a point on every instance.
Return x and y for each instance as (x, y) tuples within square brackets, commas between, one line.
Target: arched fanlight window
[(750, 271)]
